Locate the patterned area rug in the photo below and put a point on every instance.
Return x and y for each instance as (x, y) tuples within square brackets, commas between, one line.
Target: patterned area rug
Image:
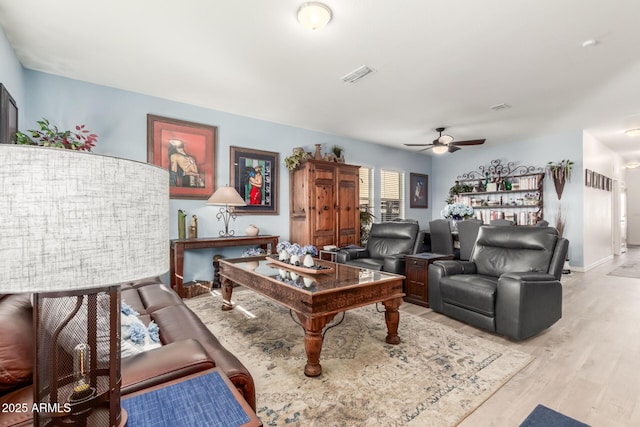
[(435, 377)]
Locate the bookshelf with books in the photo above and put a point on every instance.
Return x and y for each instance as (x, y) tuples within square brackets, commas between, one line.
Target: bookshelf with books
[(504, 191)]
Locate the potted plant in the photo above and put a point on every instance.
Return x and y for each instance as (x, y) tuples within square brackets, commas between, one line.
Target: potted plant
[(50, 136), (560, 173), (457, 189), (296, 158), (366, 219)]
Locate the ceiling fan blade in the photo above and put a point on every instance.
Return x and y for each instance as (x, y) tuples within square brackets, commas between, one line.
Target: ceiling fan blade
[(469, 142), (417, 145), (425, 149)]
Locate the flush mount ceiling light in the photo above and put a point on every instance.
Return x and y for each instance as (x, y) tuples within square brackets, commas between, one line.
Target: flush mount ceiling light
[(632, 165), (314, 16), (633, 132)]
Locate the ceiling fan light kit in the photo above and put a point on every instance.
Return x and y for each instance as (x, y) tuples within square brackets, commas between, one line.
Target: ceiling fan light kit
[(440, 149)]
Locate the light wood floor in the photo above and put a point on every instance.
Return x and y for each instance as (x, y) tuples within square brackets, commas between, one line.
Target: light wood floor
[(586, 366)]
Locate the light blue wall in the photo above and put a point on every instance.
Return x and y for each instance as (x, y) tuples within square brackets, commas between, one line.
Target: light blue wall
[(119, 119), (532, 152), (12, 74)]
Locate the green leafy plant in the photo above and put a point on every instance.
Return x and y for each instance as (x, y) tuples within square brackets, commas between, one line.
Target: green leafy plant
[(50, 136), (366, 219), (296, 158), (457, 189), (337, 150)]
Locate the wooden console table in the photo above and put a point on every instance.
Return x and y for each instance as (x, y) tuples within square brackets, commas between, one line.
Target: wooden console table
[(178, 246)]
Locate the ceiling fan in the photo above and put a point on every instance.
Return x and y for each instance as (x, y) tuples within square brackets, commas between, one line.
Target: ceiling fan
[(444, 143)]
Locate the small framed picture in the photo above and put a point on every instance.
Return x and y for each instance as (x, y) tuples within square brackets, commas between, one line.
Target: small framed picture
[(418, 185), (187, 150), (254, 174)]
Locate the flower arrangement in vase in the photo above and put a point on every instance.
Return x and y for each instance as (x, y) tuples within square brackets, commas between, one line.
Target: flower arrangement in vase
[(293, 253), (457, 211)]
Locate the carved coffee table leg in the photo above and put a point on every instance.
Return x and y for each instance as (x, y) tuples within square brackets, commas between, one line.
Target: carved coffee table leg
[(392, 317), (313, 342), (227, 290)]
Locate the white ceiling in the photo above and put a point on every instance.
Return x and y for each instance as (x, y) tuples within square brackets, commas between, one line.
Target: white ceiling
[(438, 63)]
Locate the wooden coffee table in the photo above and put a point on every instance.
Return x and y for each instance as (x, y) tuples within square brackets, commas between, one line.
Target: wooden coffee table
[(343, 288)]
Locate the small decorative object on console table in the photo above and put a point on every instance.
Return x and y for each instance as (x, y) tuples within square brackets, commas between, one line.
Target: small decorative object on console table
[(193, 228), (229, 197), (182, 226), (252, 230)]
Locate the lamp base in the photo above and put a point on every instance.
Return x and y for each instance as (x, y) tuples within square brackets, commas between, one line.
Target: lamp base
[(63, 321)]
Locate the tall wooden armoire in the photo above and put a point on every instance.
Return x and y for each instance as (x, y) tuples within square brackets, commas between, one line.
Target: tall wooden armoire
[(324, 204)]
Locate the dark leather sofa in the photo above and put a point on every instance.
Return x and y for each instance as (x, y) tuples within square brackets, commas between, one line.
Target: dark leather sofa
[(510, 285), (187, 347), (388, 244)]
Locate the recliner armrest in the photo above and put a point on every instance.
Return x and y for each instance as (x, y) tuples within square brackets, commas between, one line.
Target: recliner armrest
[(159, 365), (347, 254), (440, 269), (527, 303), (394, 263), (530, 276), (451, 267)]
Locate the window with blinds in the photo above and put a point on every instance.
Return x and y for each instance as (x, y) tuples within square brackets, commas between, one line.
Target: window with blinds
[(391, 195), (366, 189)]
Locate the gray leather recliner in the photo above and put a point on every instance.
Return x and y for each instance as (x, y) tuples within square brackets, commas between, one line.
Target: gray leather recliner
[(388, 244), (510, 285)]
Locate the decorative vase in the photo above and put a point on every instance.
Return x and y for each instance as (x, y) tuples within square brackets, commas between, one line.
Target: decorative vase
[(294, 259), (308, 261), (182, 224), (294, 276), (252, 230), (284, 255), (307, 282), (318, 155)]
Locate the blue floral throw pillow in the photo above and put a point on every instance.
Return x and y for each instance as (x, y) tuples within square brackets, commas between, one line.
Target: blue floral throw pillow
[(136, 337)]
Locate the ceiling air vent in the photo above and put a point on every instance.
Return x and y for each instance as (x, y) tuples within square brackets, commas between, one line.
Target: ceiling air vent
[(357, 74), (499, 107)]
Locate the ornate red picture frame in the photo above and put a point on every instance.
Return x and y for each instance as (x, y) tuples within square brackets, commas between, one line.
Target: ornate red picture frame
[(187, 150)]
